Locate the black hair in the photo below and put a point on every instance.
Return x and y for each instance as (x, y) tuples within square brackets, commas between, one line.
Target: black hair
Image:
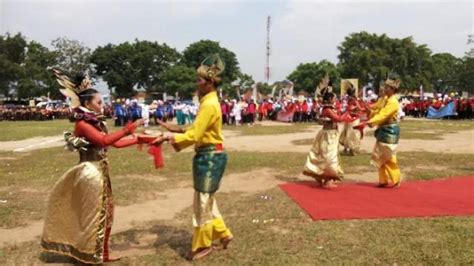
[(78, 78), (86, 96), (328, 96), (351, 91)]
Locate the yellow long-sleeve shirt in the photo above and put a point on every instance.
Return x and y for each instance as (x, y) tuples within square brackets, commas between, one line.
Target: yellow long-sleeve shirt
[(207, 128), (377, 106), (387, 113)]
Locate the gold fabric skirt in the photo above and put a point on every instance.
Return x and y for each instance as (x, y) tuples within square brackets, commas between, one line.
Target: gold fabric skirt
[(382, 153), (323, 162), (350, 137), (204, 208), (79, 211)]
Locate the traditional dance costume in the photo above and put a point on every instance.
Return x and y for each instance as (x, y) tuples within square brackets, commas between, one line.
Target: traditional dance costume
[(79, 215), (384, 115), (323, 162), (351, 137), (208, 164)]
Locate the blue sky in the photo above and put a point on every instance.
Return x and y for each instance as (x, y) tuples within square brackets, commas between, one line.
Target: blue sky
[(302, 31)]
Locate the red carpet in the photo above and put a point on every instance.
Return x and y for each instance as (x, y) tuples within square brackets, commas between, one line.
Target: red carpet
[(442, 197)]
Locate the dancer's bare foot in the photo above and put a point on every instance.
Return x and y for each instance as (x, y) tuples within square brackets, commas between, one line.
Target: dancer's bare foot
[(112, 258), (201, 253), (382, 185), (330, 184), (225, 241)]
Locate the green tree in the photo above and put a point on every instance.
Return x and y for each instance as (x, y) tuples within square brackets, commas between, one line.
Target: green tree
[(466, 68), (36, 78), (195, 53), (71, 55), (362, 55), (182, 79), (445, 69), (151, 61), (245, 80), (243, 83), (12, 56), (141, 63), (308, 75), (264, 88)]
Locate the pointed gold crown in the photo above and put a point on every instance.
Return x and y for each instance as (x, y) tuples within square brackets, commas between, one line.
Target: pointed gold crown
[(211, 68), (393, 80)]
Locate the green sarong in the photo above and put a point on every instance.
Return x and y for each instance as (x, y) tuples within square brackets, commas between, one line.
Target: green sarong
[(208, 169), (389, 134)]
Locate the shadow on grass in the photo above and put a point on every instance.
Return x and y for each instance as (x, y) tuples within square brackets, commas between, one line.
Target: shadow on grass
[(174, 237), (177, 239)]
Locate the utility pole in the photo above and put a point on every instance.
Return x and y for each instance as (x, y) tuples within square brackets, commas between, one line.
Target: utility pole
[(267, 52)]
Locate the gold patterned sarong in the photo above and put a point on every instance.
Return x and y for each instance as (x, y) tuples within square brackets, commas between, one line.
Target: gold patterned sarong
[(79, 213), (207, 221), (323, 161), (350, 137)]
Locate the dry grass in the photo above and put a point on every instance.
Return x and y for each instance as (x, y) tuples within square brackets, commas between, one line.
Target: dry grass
[(292, 238), (271, 130)]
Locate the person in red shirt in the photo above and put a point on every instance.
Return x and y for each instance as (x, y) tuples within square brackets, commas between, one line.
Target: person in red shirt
[(262, 110), (251, 112), (304, 112), (225, 112)]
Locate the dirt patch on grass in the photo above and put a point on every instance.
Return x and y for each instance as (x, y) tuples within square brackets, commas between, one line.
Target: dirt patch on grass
[(164, 207), (149, 177), (250, 182), (459, 142), (32, 144), (7, 158)]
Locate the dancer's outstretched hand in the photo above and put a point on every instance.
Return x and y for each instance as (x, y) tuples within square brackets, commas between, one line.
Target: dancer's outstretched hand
[(139, 122), (170, 127), (159, 140)]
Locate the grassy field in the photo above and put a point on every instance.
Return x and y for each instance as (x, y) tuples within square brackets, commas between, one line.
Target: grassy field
[(291, 238), (18, 130)]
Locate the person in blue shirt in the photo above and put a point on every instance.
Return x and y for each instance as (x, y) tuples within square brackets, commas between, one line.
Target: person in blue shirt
[(119, 114), (135, 111)]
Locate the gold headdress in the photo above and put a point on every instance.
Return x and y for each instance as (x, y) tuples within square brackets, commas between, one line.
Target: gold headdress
[(211, 68), (323, 86), (393, 80), (72, 89)]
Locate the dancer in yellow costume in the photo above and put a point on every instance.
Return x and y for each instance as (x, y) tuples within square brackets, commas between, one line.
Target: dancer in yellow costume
[(208, 163), (384, 116)]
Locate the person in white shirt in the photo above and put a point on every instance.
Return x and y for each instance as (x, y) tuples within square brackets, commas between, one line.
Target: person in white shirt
[(237, 112)]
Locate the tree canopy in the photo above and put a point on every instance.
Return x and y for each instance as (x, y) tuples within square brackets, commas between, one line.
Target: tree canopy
[(308, 75), (198, 51), (25, 65)]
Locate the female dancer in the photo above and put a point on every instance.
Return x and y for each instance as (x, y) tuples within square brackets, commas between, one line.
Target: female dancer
[(323, 163), (80, 209)]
